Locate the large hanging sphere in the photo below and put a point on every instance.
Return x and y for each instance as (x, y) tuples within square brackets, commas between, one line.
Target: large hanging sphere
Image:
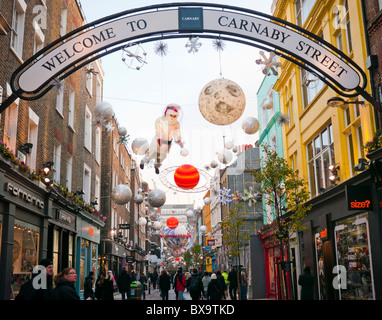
[(172, 222), (103, 110), (214, 164), (122, 131), (221, 102), (142, 221), (157, 225), (229, 144), (140, 146), (138, 199), (207, 201), (190, 213), (250, 125), (203, 229), (156, 198), (225, 156), (174, 242), (186, 176), (121, 194), (184, 152)]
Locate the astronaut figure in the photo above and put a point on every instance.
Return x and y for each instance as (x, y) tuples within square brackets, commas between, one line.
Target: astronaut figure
[(167, 129)]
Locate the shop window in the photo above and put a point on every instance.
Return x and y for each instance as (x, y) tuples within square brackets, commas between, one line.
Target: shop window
[(1, 230), (25, 253), (56, 249), (353, 253), (70, 255)]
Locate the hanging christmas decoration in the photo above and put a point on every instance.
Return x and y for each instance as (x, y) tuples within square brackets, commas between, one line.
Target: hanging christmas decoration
[(207, 201), (175, 241), (121, 194), (203, 229), (269, 64), (186, 176), (225, 156), (157, 225), (193, 44), (184, 152), (103, 113), (282, 119), (156, 198), (167, 129), (250, 125), (225, 195), (140, 146), (214, 164), (190, 213), (228, 144), (235, 149), (138, 199), (142, 221), (249, 195), (161, 48), (134, 56), (123, 135), (172, 222), (221, 102)]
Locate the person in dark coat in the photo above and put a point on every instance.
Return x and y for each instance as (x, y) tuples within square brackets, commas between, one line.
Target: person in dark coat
[(195, 285), (214, 291), (28, 290), (306, 281), (99, 286), (108, 287), (124, 281), (164, 284), (232, 278), (221, 282), (88, 287), (155, 278), (64, 282)]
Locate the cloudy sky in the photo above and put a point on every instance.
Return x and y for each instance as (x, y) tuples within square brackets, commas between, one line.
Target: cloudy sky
[(140, 96)]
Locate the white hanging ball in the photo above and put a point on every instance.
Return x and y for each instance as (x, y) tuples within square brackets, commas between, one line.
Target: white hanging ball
[(138, 199), (235, 149), (225, 156), (184, 152), (250, 125), (103, 110), (190, 213), (142, 221), (180, 230), (149, 224), (121, 194), (157, 225), (229, 144), (214, 164), (156, 198), (122, 131), (203, 229), (207, 201), (140, 146)]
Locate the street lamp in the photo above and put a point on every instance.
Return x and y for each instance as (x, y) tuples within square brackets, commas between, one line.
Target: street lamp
[(336, 102)]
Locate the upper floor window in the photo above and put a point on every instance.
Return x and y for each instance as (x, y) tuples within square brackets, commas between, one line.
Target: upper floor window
[(342, 26), (311, 86), (380, 4), (63, 21), (303, 8), (88, 129), (18, 23)]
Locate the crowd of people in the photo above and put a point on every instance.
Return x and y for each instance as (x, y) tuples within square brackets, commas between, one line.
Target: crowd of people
[(200, 285)]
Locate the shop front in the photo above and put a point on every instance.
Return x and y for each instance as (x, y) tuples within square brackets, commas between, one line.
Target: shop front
[(112, 256)]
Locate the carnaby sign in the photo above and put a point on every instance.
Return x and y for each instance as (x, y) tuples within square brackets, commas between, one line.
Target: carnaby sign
[(71, 52)]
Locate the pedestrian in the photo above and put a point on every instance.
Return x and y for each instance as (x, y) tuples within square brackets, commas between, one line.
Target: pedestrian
[(88, 287), (124, 282), (306, 281), (214, 291), (180, 284), (232, 278), (99, 286), (143, 280), (206, 280), (174, 286), (187, 276), (244, 284), (108, 287), (133, 276), (222, 284), (44, 290), (195, 285), (164, 284), (155, 278), (225, 276), (64, 283)]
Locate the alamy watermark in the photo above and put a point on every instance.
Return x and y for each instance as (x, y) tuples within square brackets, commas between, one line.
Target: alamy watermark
[(339, 281)]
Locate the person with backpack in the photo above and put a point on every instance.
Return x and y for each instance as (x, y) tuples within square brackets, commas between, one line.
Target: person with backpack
[(215, 292), (206, 280), (195, 285), (180, 284)]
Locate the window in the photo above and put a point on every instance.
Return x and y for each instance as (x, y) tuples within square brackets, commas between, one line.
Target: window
[(97, 151), (98, 90), (39, 38), (63, 21), (18, 22), (10, 127), (380, 4), (273, 143), (89, 79), (57, 162), (56, 249), (69, 173), (71, 106), (309, 92), (32, 138), (320, 153), (88, 129), (289, 104), (343, 28), (303, 8), (87, 183), (60, 99), (97, 191)]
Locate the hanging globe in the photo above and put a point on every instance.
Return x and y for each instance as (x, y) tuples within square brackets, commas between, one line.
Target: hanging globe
[(142, 221), (203, 229), (172, 222), (190, 213), (121, 194), (103, 111), (180, 230), (184, 152), (229, 144), (225, 156), (156, 198), (235, 149), (157, 225), (186, 176), (207, 201), (250, 125), (122, 131), (149, 224), (214, 164), (138, 199), (140, 146)]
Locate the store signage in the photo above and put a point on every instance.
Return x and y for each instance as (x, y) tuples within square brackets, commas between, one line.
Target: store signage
[(359, 198), (324, 234), (64, 217), (53, 61), (124, 226), (211, 242), (27, 197), (130, 259)]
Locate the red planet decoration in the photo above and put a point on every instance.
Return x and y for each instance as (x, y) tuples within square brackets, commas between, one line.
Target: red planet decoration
[(186, 176), (172, 222)]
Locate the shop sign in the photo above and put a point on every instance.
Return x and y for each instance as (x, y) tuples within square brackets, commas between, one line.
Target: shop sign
[(211, 242), (124, 226), (27, 197), (324, 234), (359, 198), (130, 259)]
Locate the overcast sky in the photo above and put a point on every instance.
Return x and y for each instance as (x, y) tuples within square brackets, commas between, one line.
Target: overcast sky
[(140, 96)]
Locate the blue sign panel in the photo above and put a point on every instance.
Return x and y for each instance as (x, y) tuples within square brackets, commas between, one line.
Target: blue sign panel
[(190, 19)]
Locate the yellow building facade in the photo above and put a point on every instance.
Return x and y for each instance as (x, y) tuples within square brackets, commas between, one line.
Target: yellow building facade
[(318, 135)]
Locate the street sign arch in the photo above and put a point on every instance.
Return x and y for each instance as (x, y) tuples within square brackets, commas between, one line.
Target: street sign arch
[(33, 78)]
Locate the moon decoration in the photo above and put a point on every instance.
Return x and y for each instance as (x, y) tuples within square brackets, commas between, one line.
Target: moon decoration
[(175, 241), (186, 176), (142, 221), (225, 195), (156, 198), (203, 229), (229, 144), (225, 156), (221, 102), (121, 194), (138, 199), (140, 146), (207, 201), (103, 112), (172, 222), (235, 149), (180, 230), (184, 152), (134, 56), (190, 213), (157, 225), (268, 104), (214, 164), (269, 64), (250, 125)]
